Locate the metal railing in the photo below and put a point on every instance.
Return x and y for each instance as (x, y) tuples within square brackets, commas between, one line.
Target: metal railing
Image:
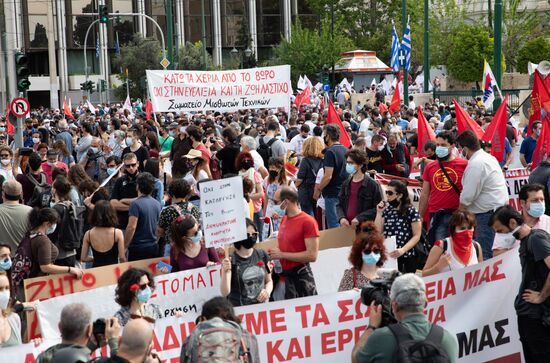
[(462, 97)]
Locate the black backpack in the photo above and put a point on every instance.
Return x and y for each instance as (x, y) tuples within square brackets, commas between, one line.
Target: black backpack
[(71, 226), (265, 150), (42, 193), (429, 350)]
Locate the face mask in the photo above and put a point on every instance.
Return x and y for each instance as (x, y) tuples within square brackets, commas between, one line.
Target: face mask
[(171, 133), (247, 164), (197, 238), (95, 150), (129, 141), (5, 162), (370, 133), (36, 140), (111, 171), (350, 168), (51, 229), (464, 237), (277, 209), (144, 295), (2, 129), (505, 240), (394, 203), (51, 163), (247, 243), (371, 258), (4, 299), (182, 129), (273, 174), (464, 154), (442, 152), (381, 147), (536, 210), (6, 264)]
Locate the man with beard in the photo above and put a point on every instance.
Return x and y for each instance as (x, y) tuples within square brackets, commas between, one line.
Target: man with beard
[(441, 187), (125, 189)]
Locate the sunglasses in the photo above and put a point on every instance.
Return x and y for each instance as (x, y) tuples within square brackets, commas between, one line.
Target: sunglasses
[(143, 286), (130, 165), (253, 235), (390, 193), (367, 251), (146, 318), (4, 156)]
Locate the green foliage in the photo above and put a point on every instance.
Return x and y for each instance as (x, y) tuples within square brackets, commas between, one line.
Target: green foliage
[(308, 50), (534, 51), (468, 47), (190, 57), (137, 56)]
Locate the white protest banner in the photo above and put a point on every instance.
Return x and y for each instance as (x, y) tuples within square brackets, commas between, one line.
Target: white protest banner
[(183, 291), (24, 353), (515, 179), (391, 245), (413, 185), (176, 91), (222, 211)]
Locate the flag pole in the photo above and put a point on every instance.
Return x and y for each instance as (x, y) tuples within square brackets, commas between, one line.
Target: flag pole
[(127, 83)]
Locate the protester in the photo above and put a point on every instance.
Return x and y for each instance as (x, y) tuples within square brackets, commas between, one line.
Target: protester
[(312, 161), (245, 165), (274, 147), (133, 291), (276, 179), (534, 290), (484, 189), (408, 301), (13, 215), (75, 326), (298, 245), (367, 255), (398, 217), (228, 154), (528, 145), (541, 175), (104, 239), (140, 237), (187, 251), (248, 144), (199, 165), (395, 157), (359, 194), (374, 154), (152, 166), (334, 173), (125, 189), (7, 170), (246, 275), (10, 335), (31, 177)]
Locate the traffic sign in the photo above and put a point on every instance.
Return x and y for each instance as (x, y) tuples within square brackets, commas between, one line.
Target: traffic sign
[(165, 63), (20, 106), (326, 87)]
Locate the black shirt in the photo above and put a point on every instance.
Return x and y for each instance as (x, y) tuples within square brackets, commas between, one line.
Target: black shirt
[(227, 157), (374, 160), (247, 277), (335, 158), (142, 154), (125, 187), (180, 148)]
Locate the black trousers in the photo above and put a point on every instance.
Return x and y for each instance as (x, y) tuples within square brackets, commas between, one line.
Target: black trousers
[(535, 340)]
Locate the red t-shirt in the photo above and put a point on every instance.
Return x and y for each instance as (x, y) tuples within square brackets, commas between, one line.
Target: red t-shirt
[(442, 194), (48, 170), (292, 234), (206, 155), (351, 212)]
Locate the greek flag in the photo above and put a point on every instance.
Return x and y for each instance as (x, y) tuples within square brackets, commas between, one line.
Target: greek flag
[(406, 46), (97, 48), (394, 50)]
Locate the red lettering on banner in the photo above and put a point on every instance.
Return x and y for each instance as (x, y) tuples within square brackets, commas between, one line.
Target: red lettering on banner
[(200, 281), (273, 351), (188, 278), (170, 339), (435, 290), (256, 324), (29, 358), (358, 313), (88, 280), (277, 316), (295, 349), (328, 341), (211, 277), (320, 316), (163, 286), (344, 337), (344, 310), (436, 315), (302, 310), (186, 329), (174, 285), (473, 279), (40, 286)]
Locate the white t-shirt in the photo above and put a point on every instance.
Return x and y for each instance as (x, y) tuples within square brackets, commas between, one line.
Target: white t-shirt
[(364, 126), (413, 124), (258, 161), (296, 144), (321, 200)]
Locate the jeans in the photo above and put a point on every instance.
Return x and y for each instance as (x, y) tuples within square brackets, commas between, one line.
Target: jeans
[(485, 234), (535, 339), (258, 222), (440, 230), (308, 208), (330, 211)]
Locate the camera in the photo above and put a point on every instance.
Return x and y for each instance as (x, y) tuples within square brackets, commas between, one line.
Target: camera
[(98, 328), (378, 290)]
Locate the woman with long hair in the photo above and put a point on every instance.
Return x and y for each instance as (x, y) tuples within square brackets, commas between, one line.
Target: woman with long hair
[(245, 166), (312, 161), (152, 142), (76, 176), (10, 323), (63, 152), (397, 217), (274, 181), (133, 291)]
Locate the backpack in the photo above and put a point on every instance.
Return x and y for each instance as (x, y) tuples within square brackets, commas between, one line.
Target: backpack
[(22, 261), (219, 341), (42, 193), (265, 149), (70, 229), (429, 350), (215, 169)]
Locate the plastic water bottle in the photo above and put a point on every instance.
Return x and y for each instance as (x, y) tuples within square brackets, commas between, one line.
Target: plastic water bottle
[(277, 268)]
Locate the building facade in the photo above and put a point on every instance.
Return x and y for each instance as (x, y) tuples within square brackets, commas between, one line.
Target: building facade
[(53, 35)]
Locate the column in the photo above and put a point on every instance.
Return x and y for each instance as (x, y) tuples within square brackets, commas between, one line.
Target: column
[(253, 27), (61, 48), (142, 26), (54, 86), (180, 26), (287, 19), (217, 35)]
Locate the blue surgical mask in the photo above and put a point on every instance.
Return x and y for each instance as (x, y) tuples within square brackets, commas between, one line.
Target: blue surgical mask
[(197, 238), (171, 133), (129, 141), (144, 295), (350, 168), (371, 258), (5, 264), (442, 152), (2, 129), (51, 229), (277, 209), (536, 210), (95, 150), (111, 171)]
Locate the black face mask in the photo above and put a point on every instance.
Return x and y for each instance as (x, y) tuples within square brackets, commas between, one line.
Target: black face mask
[(247, 164), (394, 203), (273, 174), (247, 243)]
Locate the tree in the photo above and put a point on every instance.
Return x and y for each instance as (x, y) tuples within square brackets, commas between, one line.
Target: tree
[(534, 51), (190, 57), (137, 56), (308, 50), (468, 47)]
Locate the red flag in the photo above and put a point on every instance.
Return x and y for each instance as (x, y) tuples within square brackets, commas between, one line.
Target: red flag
[(496, 132), (543, 143), (303, 97), (464, 122), (9, 127), (395, 104), (425, 132), (540, 98), (67, 109), (333, 118), (148, 109)]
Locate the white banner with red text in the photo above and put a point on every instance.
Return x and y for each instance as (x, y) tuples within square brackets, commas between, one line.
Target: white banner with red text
[(475, 303), (176, 91)]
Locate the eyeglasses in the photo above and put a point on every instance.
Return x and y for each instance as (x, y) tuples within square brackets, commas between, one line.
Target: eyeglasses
[(389, 192), (143, 286), (366, 251), (130, 165), (4, 156)]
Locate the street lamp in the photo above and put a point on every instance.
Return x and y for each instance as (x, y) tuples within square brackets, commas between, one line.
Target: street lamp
[(234, 52), (247, 52)]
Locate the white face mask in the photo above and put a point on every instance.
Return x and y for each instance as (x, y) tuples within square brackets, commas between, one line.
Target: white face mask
[(506, 240), (5, 162), (4, 299)]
